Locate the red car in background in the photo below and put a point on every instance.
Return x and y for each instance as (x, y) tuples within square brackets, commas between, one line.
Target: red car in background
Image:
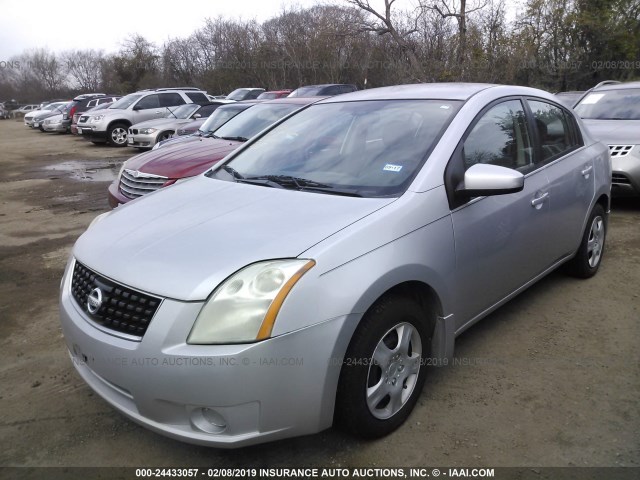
[(274, 94), (155, 169)]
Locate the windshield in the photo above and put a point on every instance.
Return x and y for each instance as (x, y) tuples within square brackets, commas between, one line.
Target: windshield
[(183, 111), (366, 148), (254, 120), (238, 94), (221, 116), (125, 102), (622, 104)]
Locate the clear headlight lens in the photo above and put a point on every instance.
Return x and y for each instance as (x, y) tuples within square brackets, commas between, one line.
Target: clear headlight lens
[(147, 131), (244, 307), (96, 119)]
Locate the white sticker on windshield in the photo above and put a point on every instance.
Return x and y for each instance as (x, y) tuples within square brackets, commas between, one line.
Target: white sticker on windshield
[(592, 98), (392, 168), (445, 107)]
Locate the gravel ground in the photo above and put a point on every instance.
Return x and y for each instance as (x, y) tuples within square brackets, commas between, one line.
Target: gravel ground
[(550, 379)]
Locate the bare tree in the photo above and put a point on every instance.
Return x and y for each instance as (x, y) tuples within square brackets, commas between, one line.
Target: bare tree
[(451, 9), (384, 23), (84, 68)]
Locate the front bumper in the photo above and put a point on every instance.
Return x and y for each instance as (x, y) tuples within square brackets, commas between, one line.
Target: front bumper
[(116, 198), (57, 127), (626, 174), (219, 395), (141, 141), (90, 134)]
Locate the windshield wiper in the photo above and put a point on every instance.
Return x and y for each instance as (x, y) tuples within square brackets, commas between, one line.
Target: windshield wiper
[(235, 139), (210, 135), (301, 184), (233, 172)]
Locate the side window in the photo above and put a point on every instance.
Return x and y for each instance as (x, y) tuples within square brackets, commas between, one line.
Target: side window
[(150, 101), (207, 110), (92, 103), (500, 138), (197, 97), (555, 130), (171, 100)]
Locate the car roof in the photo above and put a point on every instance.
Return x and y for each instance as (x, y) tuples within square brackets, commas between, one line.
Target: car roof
[(295, 100), (442, 91), (616, 86)]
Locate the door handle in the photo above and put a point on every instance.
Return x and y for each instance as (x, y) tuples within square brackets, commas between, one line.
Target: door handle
[(538, 201), (585, 173)]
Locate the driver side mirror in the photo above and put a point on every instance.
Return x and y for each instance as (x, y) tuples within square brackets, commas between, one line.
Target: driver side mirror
[(197, 115), (483, 179)]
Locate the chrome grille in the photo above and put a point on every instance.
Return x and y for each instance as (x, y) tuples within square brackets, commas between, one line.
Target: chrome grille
[(122, 309), (620, 150), (84, 118), (134, 184)]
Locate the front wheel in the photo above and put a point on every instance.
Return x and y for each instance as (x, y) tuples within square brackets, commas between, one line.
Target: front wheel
[(383, 372), (164, 136), (587, 261), (117, 135)]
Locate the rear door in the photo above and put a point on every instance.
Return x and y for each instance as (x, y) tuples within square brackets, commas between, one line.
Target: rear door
[(569, 170)]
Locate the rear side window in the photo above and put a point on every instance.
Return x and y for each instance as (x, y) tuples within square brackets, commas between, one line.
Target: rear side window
[(500, 137), (197, 97), (556, 130), (171, 100), (92, 103)]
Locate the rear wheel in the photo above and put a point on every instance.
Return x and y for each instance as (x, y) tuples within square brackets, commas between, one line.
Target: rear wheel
[(117, 135), (587, 261), (383, 372)]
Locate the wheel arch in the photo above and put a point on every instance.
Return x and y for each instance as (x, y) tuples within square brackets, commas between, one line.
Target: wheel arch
[(122, 121)]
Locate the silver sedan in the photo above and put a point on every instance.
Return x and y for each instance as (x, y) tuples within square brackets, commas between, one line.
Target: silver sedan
[(316, 274)]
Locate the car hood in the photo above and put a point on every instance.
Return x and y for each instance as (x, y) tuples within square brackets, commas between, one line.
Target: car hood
[(185, 159), (161, 123), (182, 241), (615, 132)]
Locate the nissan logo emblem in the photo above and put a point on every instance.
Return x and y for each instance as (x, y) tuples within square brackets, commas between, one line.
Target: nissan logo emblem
[(94, 301)]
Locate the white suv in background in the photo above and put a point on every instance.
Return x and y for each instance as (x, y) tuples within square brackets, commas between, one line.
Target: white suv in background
[(110, 125)]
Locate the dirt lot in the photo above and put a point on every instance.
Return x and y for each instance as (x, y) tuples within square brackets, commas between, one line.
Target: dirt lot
[(551, 379)]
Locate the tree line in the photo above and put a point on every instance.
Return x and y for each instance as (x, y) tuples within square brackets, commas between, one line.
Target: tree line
[(557, 45)]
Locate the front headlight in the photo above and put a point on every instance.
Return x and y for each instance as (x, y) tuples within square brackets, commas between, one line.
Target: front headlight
[(147, 131), (244, 307), (96, 119)]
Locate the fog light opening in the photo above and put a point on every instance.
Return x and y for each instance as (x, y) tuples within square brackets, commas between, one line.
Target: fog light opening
[(208, 420)]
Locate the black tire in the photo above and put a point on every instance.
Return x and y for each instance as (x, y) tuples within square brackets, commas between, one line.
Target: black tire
[(360, 408), (164, 136), (117, 135), (589, 257)]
